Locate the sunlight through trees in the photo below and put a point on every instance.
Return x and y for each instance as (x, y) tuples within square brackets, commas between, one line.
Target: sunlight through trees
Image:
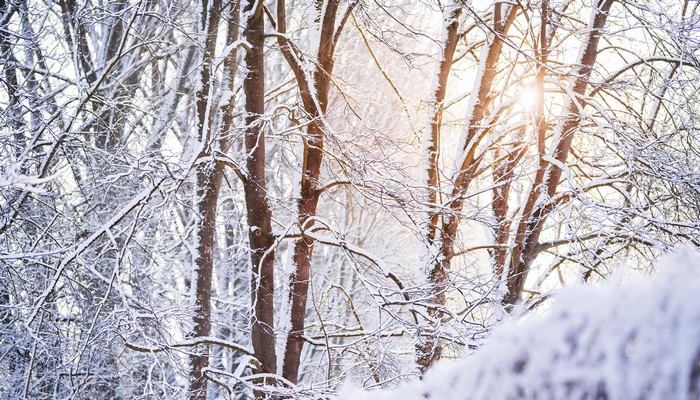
[(208, 199)]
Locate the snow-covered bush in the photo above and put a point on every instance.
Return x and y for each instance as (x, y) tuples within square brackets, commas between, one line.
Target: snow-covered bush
[(636, 340)]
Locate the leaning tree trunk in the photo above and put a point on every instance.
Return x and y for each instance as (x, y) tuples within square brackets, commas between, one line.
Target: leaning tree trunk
[(428, 348), (530, 227), (442, 248), (314, 96)]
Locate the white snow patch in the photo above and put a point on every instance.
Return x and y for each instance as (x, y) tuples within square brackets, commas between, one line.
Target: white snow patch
[(14, 179), (638, 339)]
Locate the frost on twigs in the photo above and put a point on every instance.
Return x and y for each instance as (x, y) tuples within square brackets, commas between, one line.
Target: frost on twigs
[(637, 340), (13, 179)]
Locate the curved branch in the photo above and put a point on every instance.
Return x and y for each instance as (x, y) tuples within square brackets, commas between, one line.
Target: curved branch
[(207, 340), (670, 60)]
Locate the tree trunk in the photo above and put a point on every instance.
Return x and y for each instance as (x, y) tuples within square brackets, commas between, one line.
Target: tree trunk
[(311, 168), (258, 210), (428, 348), (439, 263), (536, 212), (209, 177), (303, 251)]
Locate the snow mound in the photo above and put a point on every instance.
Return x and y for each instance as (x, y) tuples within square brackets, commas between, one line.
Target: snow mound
[(637, 340)]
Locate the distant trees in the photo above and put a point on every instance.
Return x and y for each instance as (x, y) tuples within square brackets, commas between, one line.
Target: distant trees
[(264, 198)]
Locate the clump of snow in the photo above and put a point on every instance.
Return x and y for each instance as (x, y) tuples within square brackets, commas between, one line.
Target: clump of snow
[(636, 340), (11, 178)]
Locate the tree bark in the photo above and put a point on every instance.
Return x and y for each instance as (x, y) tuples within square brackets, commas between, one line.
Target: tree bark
[(314, 96), (429, 348), (209, 177), (258, 209), (442, 230), (536, 212)]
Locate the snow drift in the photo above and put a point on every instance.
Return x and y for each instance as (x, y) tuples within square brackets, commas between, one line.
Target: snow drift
[(637, 340)]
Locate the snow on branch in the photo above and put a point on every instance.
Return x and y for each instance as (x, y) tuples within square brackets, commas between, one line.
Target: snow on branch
[(208, 340), (13, 179)]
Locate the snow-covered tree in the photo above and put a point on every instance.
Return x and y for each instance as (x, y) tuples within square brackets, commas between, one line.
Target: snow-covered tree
[(207, 199)]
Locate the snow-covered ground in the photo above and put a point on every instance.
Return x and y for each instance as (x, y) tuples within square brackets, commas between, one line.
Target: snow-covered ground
[(634, 340)]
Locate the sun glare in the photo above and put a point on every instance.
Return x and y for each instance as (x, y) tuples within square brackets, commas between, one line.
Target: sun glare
[(528, 98)]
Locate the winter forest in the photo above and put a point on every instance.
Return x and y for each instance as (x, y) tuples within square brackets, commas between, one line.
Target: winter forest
[(218, 199)]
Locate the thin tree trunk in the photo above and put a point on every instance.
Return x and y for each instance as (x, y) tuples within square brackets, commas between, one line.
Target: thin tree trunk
[(209, 176), (258, 209), (442, 236), (10, 81), (315, 103), (308, 203), (429, 348), (536, 211), (235, 272), (209, 179), (303, 250), (468, 159)]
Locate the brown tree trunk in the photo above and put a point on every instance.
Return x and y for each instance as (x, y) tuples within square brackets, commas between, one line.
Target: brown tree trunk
[(257, 205), (533, 219), (299, 289), (475, 114), (209, 177), (438, 264), (311, 168), (428, 348)]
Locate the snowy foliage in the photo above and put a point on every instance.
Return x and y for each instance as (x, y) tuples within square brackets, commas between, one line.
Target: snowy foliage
[(637, 340), (157, 158)]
